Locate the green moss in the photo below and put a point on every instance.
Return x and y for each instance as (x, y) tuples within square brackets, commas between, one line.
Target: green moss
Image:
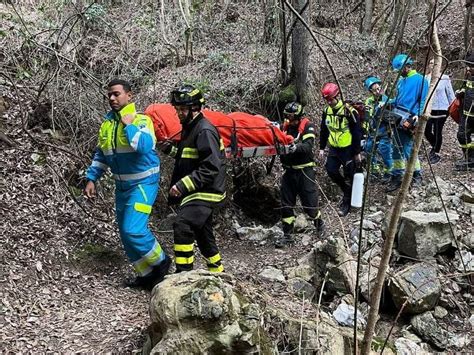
[(287, 94), (377, 344)]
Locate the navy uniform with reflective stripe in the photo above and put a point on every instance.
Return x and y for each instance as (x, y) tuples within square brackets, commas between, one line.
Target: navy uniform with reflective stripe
[(199, 174), (129, 152), (299, 178)]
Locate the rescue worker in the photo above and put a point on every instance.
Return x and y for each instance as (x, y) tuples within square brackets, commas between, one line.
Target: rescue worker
[(379, 129), (340, 129), (299, 178), (198, 181), (127, 146), (466, 124), (412, 89)]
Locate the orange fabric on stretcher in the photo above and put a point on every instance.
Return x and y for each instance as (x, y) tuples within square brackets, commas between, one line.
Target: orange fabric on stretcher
[(165, 121), (238, 130)]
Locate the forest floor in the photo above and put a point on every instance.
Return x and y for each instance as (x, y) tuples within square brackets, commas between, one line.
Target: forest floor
[(61, 260), (62, 268)]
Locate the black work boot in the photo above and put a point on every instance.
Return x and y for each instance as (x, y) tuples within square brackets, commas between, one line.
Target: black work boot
[(394, 184), (320, 227), (417, 181), (137, 282), (159, 272), (433, 157), (386, 178), (284, 241), (344, 208)]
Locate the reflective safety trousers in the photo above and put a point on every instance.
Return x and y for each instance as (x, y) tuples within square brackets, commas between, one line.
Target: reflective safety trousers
[(129, 151), (133, 208), (402, 148)]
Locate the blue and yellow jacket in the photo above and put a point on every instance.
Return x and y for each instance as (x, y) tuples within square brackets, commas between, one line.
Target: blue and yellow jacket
[(411, 93), (129, 151)]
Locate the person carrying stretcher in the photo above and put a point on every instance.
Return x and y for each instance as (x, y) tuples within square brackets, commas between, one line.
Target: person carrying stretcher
[(299, 178)]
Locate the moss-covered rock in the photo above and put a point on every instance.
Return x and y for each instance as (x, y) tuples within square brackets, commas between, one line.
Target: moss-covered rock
[(199, 312)]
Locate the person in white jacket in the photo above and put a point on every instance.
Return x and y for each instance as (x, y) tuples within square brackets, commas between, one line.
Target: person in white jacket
[(442, 98)]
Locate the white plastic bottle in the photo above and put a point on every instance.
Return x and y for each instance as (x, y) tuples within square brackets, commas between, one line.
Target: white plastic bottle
[(357, 190)]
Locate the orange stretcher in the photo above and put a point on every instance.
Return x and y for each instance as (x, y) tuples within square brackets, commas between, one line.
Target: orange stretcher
[(244, 135)]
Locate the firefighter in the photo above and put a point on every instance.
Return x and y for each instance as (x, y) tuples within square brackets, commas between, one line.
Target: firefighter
[(466, 124), (340, 129), (379, 129), (127, 146), (412, 89), (198, 181), (299, 178)]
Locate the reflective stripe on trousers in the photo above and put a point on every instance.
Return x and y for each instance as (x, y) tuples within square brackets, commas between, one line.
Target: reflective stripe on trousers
[(133, 208)]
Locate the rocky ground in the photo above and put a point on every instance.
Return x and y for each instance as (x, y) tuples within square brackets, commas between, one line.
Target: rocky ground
[(62, 264)]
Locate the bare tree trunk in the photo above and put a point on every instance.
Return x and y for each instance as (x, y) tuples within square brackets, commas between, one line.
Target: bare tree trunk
[(300, 51), (401, 27), (184, 6), (366, 27), (284, 50), (397, 14), (468, 33), (398, 205)]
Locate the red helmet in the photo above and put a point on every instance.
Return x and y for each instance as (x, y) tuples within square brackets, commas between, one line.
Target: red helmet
[(330, 91)]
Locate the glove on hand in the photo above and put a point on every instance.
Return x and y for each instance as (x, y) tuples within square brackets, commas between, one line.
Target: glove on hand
[(164, 145), (292, 148)]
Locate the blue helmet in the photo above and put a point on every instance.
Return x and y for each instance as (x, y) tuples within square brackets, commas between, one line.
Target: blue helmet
[(371, 80), (400, 60)]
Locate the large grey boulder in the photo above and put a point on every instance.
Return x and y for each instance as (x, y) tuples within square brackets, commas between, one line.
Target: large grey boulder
[(429, 330), (422, 235), (416, 287), (344, 315), (301, 288), (333, 258), (199, 312), (368, 276), (308, 335), (258, 233), (271, 273)]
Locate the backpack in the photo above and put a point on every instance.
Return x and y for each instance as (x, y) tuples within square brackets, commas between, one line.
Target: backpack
[(361, 109), (302, 125), (454, 109), (359, 106)]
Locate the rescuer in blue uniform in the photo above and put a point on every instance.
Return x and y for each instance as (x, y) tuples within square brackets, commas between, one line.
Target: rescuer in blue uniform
[(126, 145), (412, 89)]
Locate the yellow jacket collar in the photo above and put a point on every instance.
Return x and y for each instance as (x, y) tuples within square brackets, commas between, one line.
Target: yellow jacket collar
[(411, 73)]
